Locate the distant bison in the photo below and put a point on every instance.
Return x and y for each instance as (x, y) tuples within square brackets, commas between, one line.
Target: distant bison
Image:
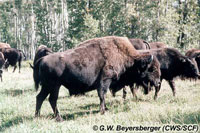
[(133, 76), (4, 45), (174, 64), (95, 64), (157, 45), (194, 53), (42, 51), (13, 56), (2, 63), (139, 44)]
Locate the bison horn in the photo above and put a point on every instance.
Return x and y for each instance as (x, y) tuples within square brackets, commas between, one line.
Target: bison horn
[(151, 57)]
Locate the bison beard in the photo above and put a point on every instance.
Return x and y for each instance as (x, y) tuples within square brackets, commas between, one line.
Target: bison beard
[(95, 64), (133, 76)]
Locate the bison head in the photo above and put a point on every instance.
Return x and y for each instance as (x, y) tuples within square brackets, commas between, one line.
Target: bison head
[(196, 56), (190, 68), (149, 72)]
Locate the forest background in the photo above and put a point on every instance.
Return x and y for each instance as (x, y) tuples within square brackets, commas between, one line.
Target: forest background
[(63, 24)]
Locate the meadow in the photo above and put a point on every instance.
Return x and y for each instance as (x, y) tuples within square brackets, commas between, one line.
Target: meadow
[(80, 114)]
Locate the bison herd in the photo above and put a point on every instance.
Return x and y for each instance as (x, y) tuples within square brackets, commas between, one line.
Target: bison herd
[(106, 63), (10, 56)]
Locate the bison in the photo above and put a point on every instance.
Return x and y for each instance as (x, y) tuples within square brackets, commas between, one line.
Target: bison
[(41, 51), (157, 45), (13, 56), (194, 53), (4, 45), (2, 63), (139, 44), (95, 64), (133, 77), (173, 64)]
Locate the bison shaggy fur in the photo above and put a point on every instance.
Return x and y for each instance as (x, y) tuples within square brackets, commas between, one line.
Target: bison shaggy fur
[(95, 64)]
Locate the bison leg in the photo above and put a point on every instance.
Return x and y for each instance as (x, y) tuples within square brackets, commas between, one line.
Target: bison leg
[(53, 101), (14, 68), (172, 85), (19, 63), (124, 93), (157, 89), (39, 100), (113, 93), (101, 93), (133, 91), (1, 73)]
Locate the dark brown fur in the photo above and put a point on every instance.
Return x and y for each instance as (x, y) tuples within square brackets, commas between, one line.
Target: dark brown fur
[(173, 64), (96, 63), (41, 51), (133, 77), (194, 53), (2, 63), (13, 56)]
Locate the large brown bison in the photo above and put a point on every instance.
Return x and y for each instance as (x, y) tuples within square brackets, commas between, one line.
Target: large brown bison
[(194, 53), (139, 44), (173, 64), (95, 64), (13, 56), (157, 45), (4, 45)]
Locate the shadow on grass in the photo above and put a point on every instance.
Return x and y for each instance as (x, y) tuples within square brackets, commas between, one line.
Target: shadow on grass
[(89, 109), (13, 122), (17, 92), (185, 118), (73, 116)]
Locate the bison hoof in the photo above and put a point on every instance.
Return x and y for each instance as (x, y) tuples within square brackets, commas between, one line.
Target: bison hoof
[(37, 115), (59, 119), (155, 98), (102, 112)]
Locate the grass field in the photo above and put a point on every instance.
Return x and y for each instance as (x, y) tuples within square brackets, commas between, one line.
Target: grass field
[(80, 114)]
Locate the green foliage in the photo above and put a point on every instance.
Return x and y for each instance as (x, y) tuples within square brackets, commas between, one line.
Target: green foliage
[(63, 24)]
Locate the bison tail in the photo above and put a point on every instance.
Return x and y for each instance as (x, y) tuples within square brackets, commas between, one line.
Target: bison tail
[(36, 74), (147, 45)]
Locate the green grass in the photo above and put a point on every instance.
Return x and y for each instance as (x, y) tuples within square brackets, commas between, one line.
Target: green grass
[(18, 98)]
